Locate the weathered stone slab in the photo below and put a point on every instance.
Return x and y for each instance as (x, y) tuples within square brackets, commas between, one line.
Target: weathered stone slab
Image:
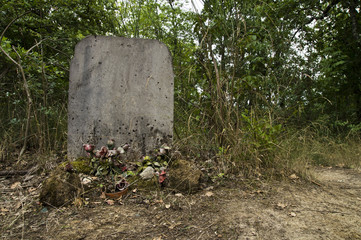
[(120, 89)]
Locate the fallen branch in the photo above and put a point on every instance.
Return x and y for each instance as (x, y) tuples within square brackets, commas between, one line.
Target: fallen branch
[(13, 173)]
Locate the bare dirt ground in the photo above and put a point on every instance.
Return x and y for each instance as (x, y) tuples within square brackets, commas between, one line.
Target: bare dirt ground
[(329, 208)]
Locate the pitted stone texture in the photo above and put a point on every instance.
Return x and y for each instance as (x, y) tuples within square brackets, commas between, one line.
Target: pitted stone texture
[(120, 89)]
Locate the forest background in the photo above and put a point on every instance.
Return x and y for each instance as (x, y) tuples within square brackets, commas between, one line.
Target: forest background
[(263, 86)]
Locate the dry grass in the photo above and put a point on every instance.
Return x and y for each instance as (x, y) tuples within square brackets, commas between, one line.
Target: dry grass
[(306, 148), (289, 151)]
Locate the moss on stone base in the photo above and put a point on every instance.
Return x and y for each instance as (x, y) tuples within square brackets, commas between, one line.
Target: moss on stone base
[(80, 165), (141, 184)]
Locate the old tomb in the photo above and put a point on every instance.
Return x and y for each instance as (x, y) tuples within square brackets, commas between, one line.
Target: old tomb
[(120, 89)]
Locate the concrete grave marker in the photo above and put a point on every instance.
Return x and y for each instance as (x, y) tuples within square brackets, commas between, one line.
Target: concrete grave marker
[(120, 89)]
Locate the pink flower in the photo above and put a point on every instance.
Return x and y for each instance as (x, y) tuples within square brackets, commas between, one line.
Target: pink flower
[(97, 154), (103, 151), (88, 147), (162, 176)]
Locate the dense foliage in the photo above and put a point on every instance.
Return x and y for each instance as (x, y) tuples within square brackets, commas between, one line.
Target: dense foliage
[(244, 70), (40, 36)]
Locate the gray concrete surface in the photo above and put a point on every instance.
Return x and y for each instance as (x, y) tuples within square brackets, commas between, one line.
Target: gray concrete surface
[(120, 89)]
